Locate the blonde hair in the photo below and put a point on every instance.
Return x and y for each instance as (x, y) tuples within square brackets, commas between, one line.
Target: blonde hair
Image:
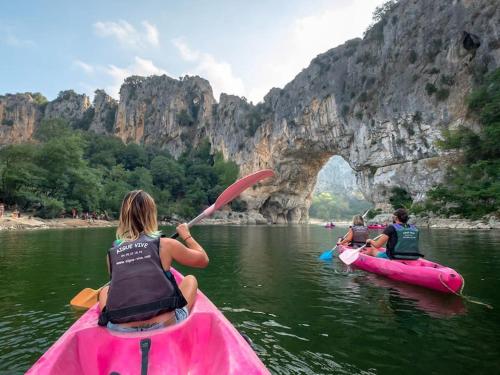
[(137, 216), (358, 220)]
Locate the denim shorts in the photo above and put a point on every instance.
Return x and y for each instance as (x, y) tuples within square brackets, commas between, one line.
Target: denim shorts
[(382, 254), (180, 315)]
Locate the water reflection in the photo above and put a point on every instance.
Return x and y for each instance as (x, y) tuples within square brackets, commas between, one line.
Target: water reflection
[(435, 304), (304, 316)]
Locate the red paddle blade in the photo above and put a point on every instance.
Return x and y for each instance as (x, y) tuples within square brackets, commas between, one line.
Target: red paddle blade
[(239, 186)]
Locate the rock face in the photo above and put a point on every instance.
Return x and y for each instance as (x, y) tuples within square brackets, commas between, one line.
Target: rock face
[(380, 102), (105, 108), (164, 111), (73, 107), (19, 116)]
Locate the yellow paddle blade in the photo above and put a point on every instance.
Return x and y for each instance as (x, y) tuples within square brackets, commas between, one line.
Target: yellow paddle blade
[(85, 299)]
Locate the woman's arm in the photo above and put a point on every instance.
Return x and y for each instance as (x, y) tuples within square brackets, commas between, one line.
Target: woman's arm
[(378, 242), (192, 255), (347, 238)]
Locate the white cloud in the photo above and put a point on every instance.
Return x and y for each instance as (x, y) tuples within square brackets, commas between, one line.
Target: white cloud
[(307, 37), (219, 73), (127, 35), (8, 37), (140, 67), (111, 77), (87, 68), (152, 35)]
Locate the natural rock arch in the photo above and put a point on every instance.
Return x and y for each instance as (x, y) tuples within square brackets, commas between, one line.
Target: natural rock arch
[(380, 102)]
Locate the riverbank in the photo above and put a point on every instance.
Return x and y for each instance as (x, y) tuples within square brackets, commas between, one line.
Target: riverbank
[(235, 218), (486, 223), (32, 223)]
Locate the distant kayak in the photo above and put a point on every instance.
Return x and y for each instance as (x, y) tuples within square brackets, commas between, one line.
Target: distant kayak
[(329, 225), (205, 343), (377, 226), (417, 272)]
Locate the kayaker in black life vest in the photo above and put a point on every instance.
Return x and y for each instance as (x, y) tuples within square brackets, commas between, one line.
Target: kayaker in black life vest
[(357, 234), (401, 239), (143, 294)]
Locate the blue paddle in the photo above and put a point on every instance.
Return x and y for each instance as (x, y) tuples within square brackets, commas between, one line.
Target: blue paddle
[(328, 254)]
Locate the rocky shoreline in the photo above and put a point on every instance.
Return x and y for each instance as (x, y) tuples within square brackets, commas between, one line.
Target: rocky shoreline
[(240, 218), (486, 223)]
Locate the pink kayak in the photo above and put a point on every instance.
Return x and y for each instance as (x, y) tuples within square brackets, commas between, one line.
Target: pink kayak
[(417, 272), (205, 343), (377, 226)]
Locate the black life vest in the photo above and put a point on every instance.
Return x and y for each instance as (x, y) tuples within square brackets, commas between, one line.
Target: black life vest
[(359, 235), (139, 288), (407, 242)]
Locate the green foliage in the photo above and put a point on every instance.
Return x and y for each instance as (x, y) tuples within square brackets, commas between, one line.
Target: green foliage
[(227, 171), (372, 213), (400, 198), (430, 88), (184, 118), (50, 208), (38, 98), (472, 187), (90, 172), (7, 122), (86, 120), (50, 129), (412, 57), (417, 117), (109, 120), (254, 119), (442, 94), (433, 49), (363, 97), (447, 80), (328, 206), (380, 17), (345, 110)]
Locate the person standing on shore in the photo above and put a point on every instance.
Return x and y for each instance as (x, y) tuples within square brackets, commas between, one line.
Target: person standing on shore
[(2, 208)]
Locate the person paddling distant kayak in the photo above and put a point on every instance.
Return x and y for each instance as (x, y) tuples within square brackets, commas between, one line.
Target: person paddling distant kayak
[(143, 294), (357, 234), (401, 239)]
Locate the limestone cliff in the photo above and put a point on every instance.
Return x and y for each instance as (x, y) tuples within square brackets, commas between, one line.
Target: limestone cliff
[(380, 102), (19, 116)]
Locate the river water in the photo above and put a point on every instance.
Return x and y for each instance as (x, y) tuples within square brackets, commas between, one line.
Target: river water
[(303, 315)]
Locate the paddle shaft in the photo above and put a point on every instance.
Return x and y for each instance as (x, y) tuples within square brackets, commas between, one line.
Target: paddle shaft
[(351, 255), (195, 221), (229, 194)]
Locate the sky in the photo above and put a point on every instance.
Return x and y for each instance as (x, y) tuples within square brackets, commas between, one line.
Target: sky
[(242, 47)]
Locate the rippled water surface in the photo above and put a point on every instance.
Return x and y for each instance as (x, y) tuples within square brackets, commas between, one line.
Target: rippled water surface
[(303, 315)]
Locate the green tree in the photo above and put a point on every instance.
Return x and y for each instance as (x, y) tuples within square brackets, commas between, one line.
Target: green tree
[(400, 198), (472, 187)]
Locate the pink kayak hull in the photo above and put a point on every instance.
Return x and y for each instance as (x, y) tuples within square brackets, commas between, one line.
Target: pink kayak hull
[(375, 226), (417, 272), (205, 343)]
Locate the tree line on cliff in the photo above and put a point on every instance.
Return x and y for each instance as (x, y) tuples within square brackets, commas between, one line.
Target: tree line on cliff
[(64, 168), (472, 185)]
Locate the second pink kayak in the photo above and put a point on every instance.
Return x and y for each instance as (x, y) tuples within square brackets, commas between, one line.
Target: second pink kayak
[(205, 343), (417, 272)]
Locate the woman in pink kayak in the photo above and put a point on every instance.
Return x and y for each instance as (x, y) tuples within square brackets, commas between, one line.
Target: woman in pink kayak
[(143, 294), (357, 234)]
